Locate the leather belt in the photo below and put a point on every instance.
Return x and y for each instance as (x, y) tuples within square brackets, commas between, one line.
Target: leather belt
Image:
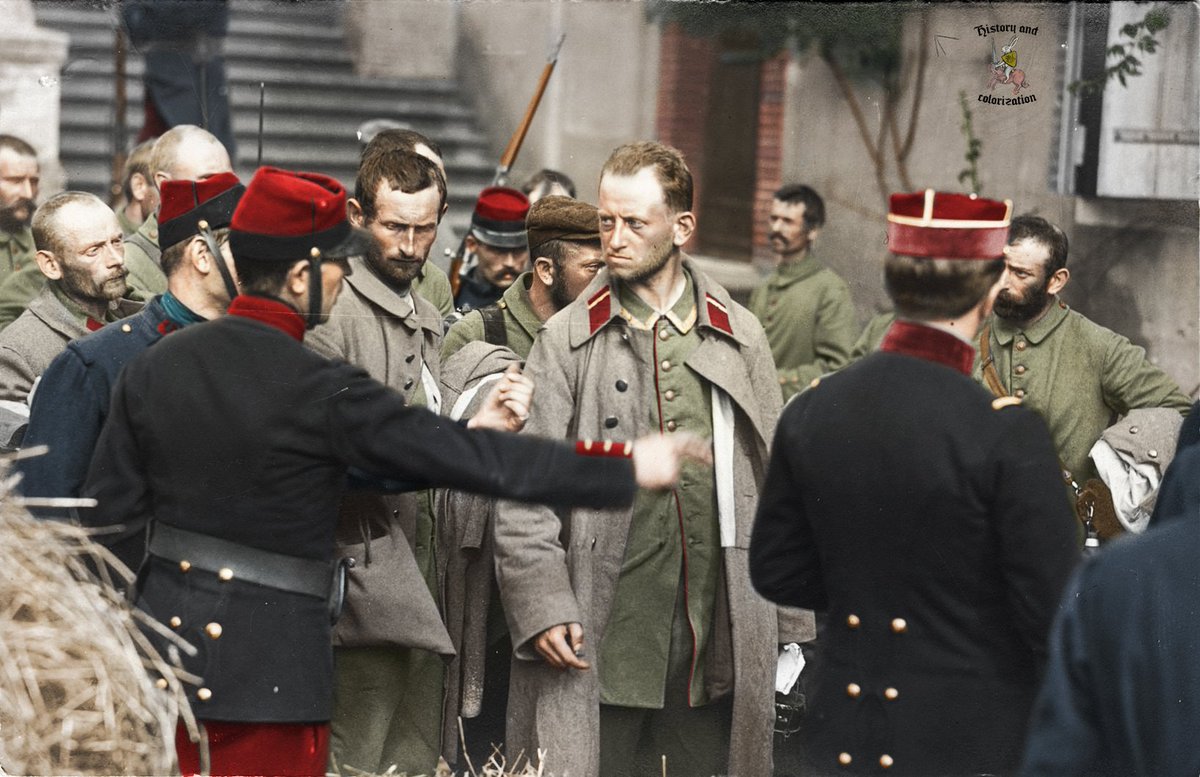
[(252, 565)]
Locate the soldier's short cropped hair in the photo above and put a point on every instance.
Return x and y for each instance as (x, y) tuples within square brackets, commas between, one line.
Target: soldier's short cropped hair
[(138, 161), (557, 251), (47, 232), (928, 289), (17, 146), (546, 178), (1030, 227), (669, 168), (166, 149), (403, 170), (799, 194), (398, 139)]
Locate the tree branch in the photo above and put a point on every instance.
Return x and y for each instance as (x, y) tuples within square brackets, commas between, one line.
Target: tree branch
[(922, 60), (875, 151)]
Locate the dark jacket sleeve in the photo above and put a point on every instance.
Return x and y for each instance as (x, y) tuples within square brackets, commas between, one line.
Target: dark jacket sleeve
[(1035, 526), (116, 479), (65, 417), (373, 429), (784, 565)]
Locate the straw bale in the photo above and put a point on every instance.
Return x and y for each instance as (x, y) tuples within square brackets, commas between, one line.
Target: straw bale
[(77, 675)]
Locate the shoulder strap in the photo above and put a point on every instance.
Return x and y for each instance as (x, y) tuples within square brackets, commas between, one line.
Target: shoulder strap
[(988, 362), (494, 332)]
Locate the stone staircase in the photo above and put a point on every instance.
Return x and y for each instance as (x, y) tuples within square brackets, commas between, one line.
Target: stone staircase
[(314, 101)]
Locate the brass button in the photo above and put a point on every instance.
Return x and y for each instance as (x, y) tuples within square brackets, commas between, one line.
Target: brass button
[(126, 328), (1152, 453), (899, 625), (663, 334), (666, 364), (175, 621), (815, 382), (226, 574), (203, 694), (853, 690), (671, 426), (669, 394), (1021, 345), (886, 761), (213, 630), (844, 759), (185, 565), (161, 683), (891, 694), (1133, 430), (1019, 369), (853, 621), (1019, 393)]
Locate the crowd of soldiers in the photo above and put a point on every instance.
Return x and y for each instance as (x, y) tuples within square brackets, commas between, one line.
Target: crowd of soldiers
[(300, 432)]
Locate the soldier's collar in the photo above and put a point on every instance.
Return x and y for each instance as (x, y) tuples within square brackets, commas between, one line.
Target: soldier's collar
[(923, 341), (598, 305), (367, 282), (790, 272), (1037, 331), (639, 315), (516, 301)]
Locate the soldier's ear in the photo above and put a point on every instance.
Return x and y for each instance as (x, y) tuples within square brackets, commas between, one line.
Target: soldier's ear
[(49, 265), (543, 267), (354, 212), (683, 227), (1058, 280), (197, 253)]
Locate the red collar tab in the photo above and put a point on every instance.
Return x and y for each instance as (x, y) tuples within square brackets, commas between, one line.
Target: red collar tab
[(93, 325), (926, 342), (718, 315), (599, 309), (269, 311)]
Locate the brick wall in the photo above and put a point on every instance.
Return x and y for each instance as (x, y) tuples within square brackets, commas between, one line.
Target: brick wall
[(769, 159), (684, 73)]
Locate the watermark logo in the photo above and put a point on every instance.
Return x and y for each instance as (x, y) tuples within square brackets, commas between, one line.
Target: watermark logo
[(1002, 68)]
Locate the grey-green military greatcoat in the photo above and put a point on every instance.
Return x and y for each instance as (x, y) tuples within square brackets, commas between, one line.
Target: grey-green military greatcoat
[(591, 384), (521, 324), (1078, 375), (390, 631), (809, 318)]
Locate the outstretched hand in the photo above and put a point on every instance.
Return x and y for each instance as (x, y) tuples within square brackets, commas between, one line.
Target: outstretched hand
[(506, 407), (657, 457)]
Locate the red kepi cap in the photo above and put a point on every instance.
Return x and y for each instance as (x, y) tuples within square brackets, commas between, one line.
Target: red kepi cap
[(185, 204), (941, 225), (286, 216), (499, 217), (191, 208)]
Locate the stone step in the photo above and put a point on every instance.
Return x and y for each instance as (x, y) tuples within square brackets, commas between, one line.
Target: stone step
[(83, 22), (462, 145), (314, 101)]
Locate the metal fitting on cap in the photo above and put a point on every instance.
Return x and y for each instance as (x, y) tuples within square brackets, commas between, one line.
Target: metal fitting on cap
[(315, 253), (202, 224)]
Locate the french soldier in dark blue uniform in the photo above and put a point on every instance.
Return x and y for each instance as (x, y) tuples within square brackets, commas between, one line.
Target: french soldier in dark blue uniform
[(925, 519)]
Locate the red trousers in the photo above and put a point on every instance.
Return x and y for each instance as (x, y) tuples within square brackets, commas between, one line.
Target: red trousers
[(276, 749)]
